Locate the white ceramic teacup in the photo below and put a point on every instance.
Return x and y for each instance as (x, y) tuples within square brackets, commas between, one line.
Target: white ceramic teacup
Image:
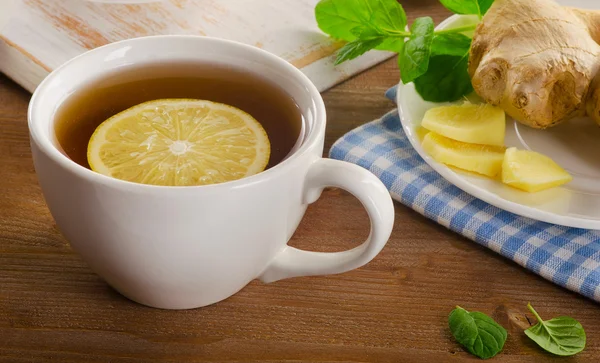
[(187, 247)]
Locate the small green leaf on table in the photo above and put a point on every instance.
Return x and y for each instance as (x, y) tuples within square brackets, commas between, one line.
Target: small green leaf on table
[(560, 336), (477, 332)]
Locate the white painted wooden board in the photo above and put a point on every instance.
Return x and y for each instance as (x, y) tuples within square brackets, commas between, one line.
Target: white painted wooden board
[(36, 36)]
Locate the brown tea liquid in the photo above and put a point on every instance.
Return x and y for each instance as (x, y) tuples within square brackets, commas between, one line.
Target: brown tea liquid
[(80, 114)]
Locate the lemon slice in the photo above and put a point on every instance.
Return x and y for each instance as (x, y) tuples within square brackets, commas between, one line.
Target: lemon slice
[(179, 142)]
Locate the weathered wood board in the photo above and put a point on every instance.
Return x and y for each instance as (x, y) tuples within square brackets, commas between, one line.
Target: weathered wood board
[(36, 36)]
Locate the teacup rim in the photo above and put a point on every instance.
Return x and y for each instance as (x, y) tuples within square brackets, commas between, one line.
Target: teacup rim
[(50, 150)]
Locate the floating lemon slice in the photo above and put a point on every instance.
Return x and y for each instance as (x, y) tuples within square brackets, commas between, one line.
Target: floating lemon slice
[(179, 142)]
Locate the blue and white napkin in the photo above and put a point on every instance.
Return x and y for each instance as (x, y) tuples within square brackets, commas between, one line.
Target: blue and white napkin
[(569, 257)]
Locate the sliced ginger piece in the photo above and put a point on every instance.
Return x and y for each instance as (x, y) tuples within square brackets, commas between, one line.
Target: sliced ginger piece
[(473, 123), (482, 159), (531, 171), (421, 132)]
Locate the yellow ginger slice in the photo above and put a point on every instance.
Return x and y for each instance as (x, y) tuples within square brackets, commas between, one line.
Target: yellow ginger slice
[(473, 123), (531, 171), (482, 159)]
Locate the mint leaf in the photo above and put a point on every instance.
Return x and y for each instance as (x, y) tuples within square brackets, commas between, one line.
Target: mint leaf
[(477, 332), (390, 19), (476, 7), (356, 48), (450, 44), (414, 60), (435, 61), (562, 336), (338, 17), (461, 6), (446, 80), (362, 32), (484, 6), (393, 44), (388, 16)]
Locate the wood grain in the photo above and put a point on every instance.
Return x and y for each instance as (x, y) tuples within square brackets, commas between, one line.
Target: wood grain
[(43, 34), (54, 309)]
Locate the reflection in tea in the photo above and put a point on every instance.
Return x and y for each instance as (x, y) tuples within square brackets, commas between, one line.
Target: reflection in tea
[(81, 113)]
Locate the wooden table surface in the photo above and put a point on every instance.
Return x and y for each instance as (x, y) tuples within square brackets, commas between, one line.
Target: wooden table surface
[(53, 308)]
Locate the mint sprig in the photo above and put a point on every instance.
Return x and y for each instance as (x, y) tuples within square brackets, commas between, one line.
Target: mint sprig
[(436, 61)]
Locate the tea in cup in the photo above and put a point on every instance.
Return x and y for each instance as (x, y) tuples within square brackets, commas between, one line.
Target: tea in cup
[(180, 247)]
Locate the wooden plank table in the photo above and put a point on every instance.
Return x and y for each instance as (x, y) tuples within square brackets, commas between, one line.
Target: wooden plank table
[(53, 308)]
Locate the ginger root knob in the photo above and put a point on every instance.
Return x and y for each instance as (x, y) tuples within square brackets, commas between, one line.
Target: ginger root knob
[(537, 60)]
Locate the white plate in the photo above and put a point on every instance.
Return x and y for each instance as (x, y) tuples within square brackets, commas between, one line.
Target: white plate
[(574, 145)]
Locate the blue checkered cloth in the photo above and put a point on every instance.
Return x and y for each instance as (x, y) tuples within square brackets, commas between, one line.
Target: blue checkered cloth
[(569, 257)]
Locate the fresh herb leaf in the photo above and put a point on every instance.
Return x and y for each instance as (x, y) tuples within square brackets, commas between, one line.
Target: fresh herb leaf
[(435, 60), (484, 6), (338, 18), (477, 332), (414, 60), (446, 80), (356, 48), (461, 6), (392, 44), (361, 32), (450, 44), (388, 16), (476, 7), (561, 336)]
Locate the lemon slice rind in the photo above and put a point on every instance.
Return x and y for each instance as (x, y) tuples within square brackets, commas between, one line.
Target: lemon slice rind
[(255, 140)]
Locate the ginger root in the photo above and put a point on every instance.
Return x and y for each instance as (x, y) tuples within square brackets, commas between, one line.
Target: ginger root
[(539, 61)]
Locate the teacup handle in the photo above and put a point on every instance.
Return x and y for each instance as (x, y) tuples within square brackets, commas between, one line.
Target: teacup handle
[(370, 191)]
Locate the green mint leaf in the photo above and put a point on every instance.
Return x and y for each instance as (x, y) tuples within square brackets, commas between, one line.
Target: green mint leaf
[(395, 45), (390, 43), (338, 18), (484, 6), (446, 80), (450, 44), (356, 48), (461, 6), (414, 60), (388, 16), (362, 32), (390, 19), (477, 332), (476, 7), (560, 336)]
